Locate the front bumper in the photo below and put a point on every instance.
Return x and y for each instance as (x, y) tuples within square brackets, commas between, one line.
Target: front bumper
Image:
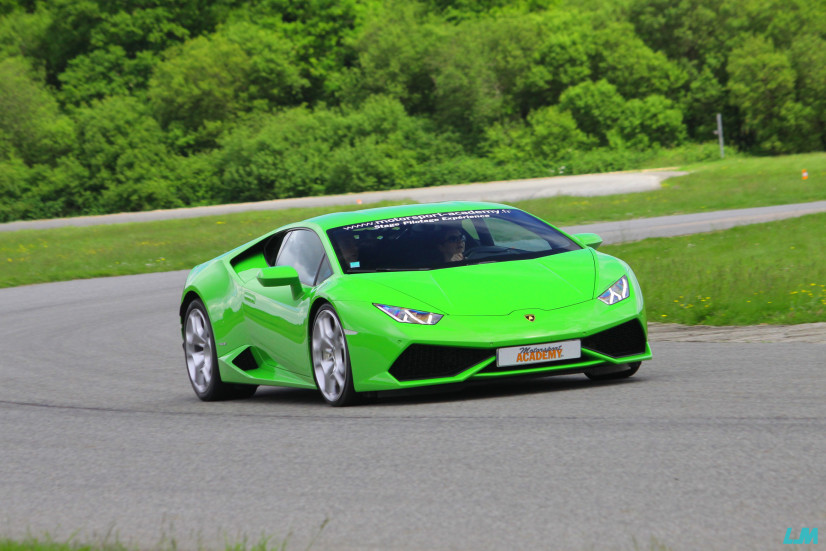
[(387, 355)]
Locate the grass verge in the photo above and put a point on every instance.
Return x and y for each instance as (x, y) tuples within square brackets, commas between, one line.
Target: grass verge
[(764, 273)]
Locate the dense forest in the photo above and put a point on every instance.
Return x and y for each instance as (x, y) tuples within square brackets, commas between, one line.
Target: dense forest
[(109, 106)]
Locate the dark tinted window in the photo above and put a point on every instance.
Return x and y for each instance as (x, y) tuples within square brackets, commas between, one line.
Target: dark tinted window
[(302, 249), (442, 240)]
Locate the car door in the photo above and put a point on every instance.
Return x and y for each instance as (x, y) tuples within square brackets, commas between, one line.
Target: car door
[(277, 316)]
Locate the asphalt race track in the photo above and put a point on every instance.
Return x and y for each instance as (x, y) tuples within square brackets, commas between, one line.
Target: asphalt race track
[(710, 446)]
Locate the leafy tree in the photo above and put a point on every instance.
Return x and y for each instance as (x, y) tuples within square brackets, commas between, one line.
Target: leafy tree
[(466, 94), (7, 6), (56, 191), (105, 72), (298, 152), (808, 58), (71, 25), (24, 34), (41, 191), (139, 29), (626, 61), (318, 30), (596, 107), (782, 21), (77, 27), (14, 178), (393, 46), (208, 81), (762, 86), (490, 70), (476, 72), (604, 114), (705, 98), (123, 48), (564, 50), (196, 16), (29, 115), (462, 9), (697, 32), (652, 121), (122, 148), (273, 75), (549, 136), (199, 82)]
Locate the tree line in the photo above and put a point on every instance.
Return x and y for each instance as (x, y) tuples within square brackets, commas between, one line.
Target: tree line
[(109, 106)]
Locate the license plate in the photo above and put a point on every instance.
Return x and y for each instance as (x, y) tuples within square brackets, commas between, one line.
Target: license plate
[(538, 353)]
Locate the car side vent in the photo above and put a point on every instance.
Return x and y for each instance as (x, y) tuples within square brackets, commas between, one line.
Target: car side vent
[(245, 360), (425, 361), (625, 339)]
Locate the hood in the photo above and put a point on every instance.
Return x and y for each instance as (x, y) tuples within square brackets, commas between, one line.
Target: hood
[(496, 289)]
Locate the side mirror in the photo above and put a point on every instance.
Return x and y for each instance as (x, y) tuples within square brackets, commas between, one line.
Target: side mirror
[(589, 239), (280, 276)]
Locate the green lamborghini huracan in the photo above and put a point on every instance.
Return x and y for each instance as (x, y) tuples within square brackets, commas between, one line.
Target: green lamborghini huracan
[(391, 298)]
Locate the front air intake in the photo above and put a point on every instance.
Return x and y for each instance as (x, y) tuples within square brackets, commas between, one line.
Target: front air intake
[(425, 361), (627, 339)]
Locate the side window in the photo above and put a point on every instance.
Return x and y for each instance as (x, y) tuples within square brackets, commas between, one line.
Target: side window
[(324, 271), (508, 234), (273, 246), (302, 249)]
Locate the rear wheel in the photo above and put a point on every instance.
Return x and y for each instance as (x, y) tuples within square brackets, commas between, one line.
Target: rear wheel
[(202, 361), (331, 360), (632, 368)]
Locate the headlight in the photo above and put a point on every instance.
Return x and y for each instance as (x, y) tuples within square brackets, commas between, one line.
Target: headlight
[(408, 315), (616, 292)]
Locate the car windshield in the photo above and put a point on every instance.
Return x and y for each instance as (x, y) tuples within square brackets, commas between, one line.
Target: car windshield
[(446, 239)]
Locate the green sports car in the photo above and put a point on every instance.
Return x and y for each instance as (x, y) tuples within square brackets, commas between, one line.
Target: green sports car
[(392, 298)]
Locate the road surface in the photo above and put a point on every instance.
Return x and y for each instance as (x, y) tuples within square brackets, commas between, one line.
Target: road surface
[(710, 446)]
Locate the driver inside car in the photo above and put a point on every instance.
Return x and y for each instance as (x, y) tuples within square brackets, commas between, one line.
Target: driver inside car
[(452, 245)]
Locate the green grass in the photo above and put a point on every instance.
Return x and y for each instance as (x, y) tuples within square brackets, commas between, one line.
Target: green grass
[(765, 273), (746, 275)]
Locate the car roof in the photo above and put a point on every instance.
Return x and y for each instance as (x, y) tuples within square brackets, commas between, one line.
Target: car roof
[(336, 219)]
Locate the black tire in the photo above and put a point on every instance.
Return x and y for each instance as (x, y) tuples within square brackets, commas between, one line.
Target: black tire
[(632, 368), (202, 360), (331, 359)]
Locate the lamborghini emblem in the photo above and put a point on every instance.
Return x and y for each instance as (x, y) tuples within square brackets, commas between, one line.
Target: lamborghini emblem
[(530, 317)]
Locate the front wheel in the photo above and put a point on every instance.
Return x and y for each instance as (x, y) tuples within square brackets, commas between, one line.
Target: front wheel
[(331, 360), (624, 374), (202, 361)]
